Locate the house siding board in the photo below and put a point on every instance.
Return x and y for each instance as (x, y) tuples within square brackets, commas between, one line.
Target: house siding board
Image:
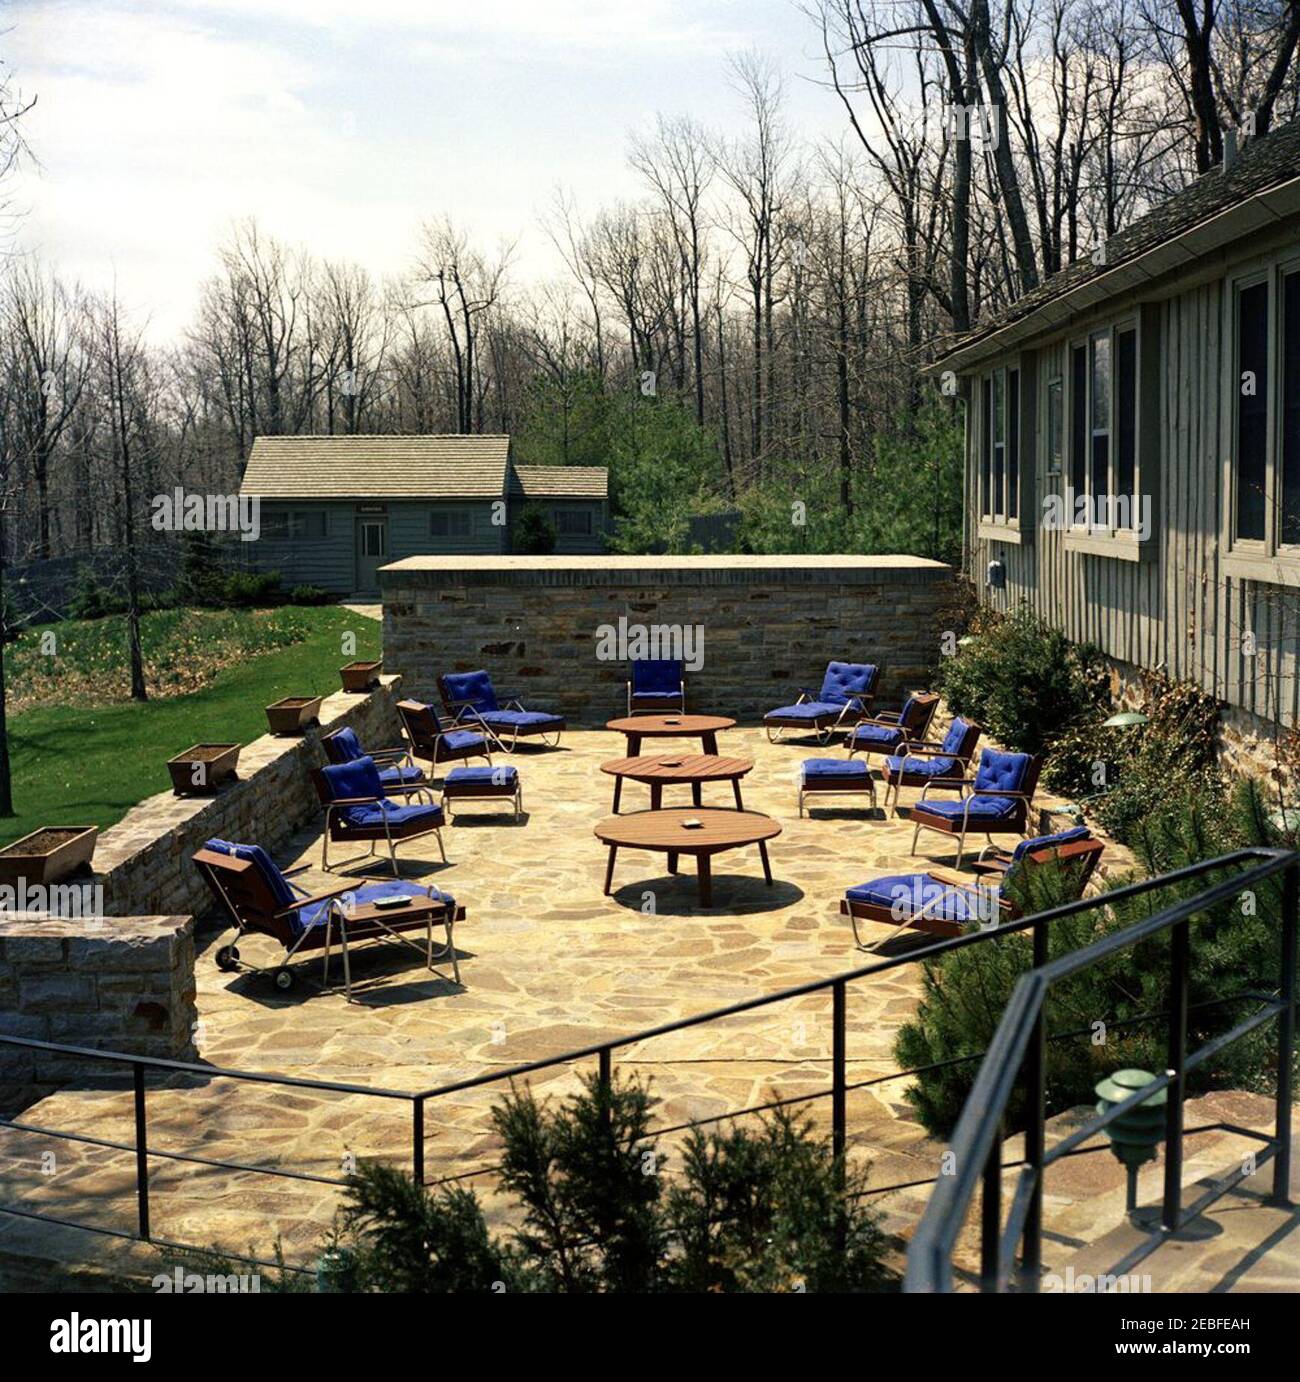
[(326, 562)]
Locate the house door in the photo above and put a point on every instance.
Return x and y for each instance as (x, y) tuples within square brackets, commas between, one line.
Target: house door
[(372, 551)]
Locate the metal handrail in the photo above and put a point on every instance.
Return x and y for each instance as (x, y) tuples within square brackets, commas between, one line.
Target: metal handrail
[(1017, 1047)]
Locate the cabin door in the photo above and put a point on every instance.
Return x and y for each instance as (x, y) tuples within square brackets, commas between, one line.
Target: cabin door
[(372, 551)]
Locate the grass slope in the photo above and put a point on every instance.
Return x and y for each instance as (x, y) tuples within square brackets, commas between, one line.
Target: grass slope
[(74, 765)]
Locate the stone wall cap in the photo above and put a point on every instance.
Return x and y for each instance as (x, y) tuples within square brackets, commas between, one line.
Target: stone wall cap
[(14, 924)]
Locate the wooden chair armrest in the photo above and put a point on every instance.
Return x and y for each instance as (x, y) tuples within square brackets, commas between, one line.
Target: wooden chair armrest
[(948, 877)]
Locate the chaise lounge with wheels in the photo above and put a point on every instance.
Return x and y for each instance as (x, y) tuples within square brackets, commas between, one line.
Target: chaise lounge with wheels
[(436, 741), (995, 802), (943, 905), (472, 702), (846, 693), (358, 807), (894, 731), (656, 686), (261, 900), (937, 766), (401, 770)]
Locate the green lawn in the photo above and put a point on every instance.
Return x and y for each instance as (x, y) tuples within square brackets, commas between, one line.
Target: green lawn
[(81, 764)]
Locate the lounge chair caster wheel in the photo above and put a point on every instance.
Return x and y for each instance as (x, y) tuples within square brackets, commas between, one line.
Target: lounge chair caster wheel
[(283, 979), (227, 959)]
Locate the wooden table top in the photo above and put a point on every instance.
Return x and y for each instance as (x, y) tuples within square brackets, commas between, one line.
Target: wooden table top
[(664, 829), (420, 907), (671, 767), (652, 726)]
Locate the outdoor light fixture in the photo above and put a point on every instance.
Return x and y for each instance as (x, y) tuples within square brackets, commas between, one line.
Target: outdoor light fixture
[(997, 575), (1135, 1135), (1125, 719)]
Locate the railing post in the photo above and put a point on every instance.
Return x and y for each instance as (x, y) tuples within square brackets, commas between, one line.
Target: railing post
[(991, 1217), (1172, 1209), (1286, 1035), (417, 1139), (141, 1152), (1031, 1251), (839, 1120)]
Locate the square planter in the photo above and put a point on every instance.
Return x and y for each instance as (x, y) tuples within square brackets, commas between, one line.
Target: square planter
[(360, 676), (48, 854), (202, 768), (293, 714)]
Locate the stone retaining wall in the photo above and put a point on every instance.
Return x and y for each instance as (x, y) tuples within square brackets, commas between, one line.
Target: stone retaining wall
[(770, 624), (120, 983), (143, 862)]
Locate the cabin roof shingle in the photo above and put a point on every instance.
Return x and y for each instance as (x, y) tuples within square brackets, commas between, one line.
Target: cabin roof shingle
[(1264, 163), (438, 466), (560, 481)]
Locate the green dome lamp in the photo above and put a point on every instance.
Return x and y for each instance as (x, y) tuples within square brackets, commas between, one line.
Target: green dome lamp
[(1125, 719), (1135, 1135)]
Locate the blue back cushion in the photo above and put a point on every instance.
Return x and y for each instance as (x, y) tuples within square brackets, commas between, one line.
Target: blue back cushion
[(343, 746), (1001, 772), (262, 861), (956, 733), (474, 687), (844, 679), (656, 674), (360, 778), (1062, 837)]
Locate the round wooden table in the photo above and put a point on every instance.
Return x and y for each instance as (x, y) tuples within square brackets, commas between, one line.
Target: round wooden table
[(663, 831), (660, 769), (705, 728)]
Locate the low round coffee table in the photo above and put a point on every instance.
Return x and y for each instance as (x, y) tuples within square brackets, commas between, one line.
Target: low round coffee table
[(666, 768), (705, 728), (663, 831)]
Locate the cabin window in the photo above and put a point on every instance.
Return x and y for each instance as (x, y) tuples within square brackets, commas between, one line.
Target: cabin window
[(1000, 467), (1104, 461), (1252, 409), (294, 526), (1055, 425), (573, 522), (449, 523)]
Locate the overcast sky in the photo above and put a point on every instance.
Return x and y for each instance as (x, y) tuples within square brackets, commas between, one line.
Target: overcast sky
[(341, 124)]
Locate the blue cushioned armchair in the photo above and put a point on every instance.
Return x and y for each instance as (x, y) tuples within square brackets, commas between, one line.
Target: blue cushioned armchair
[(472, 702), (656, 686), (941, 766), (396, 766), (358, 807), (438, 742), (846, 693), (995, 802), (893, 731)]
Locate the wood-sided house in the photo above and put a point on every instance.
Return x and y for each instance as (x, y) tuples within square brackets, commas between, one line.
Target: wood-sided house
[(1133, 440), (334, 509)]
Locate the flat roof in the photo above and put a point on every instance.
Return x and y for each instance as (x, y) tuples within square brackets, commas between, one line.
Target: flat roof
[(775, 561)]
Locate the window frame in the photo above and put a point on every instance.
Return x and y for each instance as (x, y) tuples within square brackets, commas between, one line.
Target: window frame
[(451, 513), (559, 514), (1267, 558), (1004, 518)]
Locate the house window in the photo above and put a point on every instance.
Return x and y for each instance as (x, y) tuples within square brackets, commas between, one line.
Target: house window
[(1265, 418), (573, 522), (295, 526), (1000, 467), (449, 523), (1055, 424), (1104, 422)]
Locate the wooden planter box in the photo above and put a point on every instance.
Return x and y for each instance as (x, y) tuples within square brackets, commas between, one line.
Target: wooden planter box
[(293, 714), (361, 676), (48, 854), (217, 761)]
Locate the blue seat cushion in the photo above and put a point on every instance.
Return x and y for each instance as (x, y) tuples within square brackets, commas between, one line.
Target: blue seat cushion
[(316, 914), (923, 767), (957, 731), (385, 811), (657, 677), (521, 719), (656, 695), (461, 739), (1062, 837), (846, 679), (262, 861), (359, 778), (835, 767), (401, 776), (982, 810), (808, 710), (472, 687), (878, 736), (1001, 772), (343, 746), (497, 776), (905, 894)]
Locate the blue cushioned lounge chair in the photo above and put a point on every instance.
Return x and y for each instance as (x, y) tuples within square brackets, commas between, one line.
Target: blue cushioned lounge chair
[(943, 905), (472, 702), (656, 686), (847, 690), (894, 731), (358, 807), (938, 766), (434, 739), (260, 899), (343, 746), (995, 802)]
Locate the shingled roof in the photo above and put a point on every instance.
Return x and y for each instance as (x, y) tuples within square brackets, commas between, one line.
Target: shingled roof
[(1265, 162), (445, 466), (560, 481)]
